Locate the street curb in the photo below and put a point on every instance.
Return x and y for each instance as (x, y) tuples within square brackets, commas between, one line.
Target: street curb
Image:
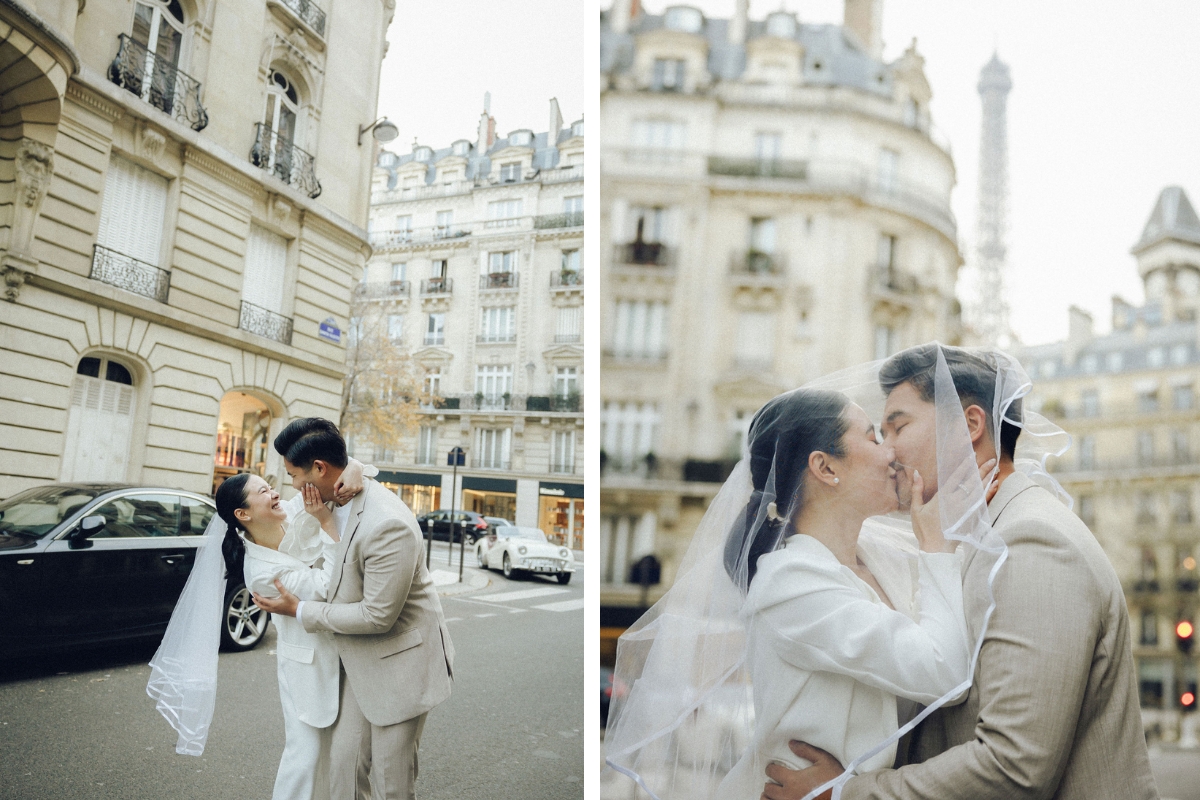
[(473, 580)]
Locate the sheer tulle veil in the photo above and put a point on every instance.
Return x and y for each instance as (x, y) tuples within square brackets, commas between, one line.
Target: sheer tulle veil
[(183, 672), (682, 710)]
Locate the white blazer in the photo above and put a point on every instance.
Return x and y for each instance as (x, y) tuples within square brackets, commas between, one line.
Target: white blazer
[(828, 658), (308, 662)]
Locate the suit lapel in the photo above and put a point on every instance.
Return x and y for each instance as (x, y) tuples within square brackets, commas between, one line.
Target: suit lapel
[(357, 505)]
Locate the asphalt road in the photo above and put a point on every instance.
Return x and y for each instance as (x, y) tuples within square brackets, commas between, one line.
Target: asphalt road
[(81, 726)]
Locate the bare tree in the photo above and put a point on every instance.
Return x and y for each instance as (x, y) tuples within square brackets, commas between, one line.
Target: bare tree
[(380, 392)]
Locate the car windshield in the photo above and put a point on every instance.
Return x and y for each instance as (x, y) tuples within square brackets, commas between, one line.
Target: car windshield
[(36, 512), (522, 533)]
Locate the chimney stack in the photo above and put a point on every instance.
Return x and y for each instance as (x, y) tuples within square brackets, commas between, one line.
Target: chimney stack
[(486, 135), (737, 25), (1079, 332), (556, 122), (619, 15), (864, 19)]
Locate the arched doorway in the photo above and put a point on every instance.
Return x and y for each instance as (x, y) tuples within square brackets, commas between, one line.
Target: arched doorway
[(246, 426)]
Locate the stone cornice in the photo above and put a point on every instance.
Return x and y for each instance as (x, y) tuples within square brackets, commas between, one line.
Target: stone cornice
[(218, 168), (84, 97)]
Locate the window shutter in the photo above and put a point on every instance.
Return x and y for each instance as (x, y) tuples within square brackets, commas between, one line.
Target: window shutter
[(98, 431), (266, 261), (132, 211)]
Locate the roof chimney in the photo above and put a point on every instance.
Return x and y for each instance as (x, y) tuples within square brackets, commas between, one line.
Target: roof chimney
[(619, 15), (737, 25), (486, 135), (1079, 332), (556, 122), (864, 20)]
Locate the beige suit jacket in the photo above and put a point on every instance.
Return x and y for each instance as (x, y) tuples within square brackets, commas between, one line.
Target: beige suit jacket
[(1053, 712), (385, 613)]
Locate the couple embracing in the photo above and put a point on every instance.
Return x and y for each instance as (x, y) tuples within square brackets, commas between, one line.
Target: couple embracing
[(363, 650), (888, 599)]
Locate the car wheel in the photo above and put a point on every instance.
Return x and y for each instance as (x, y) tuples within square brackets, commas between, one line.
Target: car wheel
[(479, 557), (564, 578), (245, 623), (507, 568)]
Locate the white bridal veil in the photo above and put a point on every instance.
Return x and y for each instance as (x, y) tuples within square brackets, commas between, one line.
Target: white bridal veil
[(183, 672), (682, 710)]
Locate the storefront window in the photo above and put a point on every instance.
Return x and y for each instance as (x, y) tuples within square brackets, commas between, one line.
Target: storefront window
[(420, 499), (490, 504), (561, 519), (243, 438)]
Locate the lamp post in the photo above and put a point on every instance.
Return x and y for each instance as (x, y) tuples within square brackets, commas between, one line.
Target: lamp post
[(382, 129), (455, 458)]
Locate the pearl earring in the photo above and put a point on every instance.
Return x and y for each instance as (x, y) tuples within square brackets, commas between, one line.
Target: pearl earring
[(837, 480)]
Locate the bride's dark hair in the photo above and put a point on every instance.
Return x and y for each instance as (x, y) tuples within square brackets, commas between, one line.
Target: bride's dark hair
[(783, 434), (231, 495)]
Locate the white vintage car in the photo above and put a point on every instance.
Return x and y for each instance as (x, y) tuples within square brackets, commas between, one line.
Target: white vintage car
[(524, 550)]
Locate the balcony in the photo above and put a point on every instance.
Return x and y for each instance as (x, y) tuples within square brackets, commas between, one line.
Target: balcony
[(126, 272), (756, 268), (268, 324), (308, 13), (569, 219), (496, 338), (499, 280), (159, 82), (557, 468), (649, 254), (493, 402), (566, 279), (434, 339), (433, 286), (491, 463), (566, 174), (383, 290), (758, 167), (568, 338), (277, 155), (408, 237)]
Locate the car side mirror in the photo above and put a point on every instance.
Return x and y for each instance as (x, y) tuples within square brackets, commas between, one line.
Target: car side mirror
[(80, 538)]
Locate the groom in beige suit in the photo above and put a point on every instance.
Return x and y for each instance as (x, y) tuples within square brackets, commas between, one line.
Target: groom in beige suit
[(1053, 711), (395, 650)]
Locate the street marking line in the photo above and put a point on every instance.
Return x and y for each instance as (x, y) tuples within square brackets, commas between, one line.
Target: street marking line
[(565, 605), (454, 619), (522, 594), (517, 610), (485, 615)]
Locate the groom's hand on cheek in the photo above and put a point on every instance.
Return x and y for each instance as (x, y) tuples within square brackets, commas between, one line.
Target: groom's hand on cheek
[(285, 604), (792, 784)]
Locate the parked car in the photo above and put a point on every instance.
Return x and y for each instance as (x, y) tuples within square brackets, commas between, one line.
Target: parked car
[(438, 523), (518, 551), (498, 522), (88, 563)]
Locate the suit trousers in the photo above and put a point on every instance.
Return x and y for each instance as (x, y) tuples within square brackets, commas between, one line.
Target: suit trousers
[(387, 752), (304, 768)]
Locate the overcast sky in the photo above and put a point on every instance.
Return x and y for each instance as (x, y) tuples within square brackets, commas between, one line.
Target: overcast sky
[(1104, 113), (444, 55)]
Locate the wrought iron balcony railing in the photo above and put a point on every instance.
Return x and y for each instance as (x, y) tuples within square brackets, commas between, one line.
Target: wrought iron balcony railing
[(493, 402), (435, 339), (568, 219), (645, 253), (566, 278), (758, 167), (498, 280), (309, 13), (756, 262), (490, 463), (383, 289), (437, 286), (496, 338), (126, 272), (276, 154), (265, 323), (567, 338), (159, 82)]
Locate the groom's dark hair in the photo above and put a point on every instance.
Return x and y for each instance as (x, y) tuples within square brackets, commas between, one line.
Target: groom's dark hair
[(974, 378), (310, 439)]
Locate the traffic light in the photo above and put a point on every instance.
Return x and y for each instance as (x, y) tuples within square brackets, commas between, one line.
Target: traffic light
[(1183, 639), (1187, 700)]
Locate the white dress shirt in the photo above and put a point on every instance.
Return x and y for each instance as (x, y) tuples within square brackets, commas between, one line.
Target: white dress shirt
[(827, 658)]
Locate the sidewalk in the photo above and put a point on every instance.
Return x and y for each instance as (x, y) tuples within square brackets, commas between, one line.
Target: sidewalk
[(447, 583)]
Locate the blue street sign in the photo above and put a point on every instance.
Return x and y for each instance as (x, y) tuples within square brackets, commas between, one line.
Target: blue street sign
[(329, 330), (456, 458)]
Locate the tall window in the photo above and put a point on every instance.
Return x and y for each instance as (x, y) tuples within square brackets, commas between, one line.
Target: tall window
[(755, 339), (511, 172), (768, 145), (647, 224), (444, 221), (99, 423), (435, 330), (566, 381), (1091, 403), (502, 262), (1149, 629), (1087, 452), (888, 164), (427, 445), (132, 212), (158, 26), (266, 261), (1181, 446), (569, 327), (573, 205), (498, 324), (762, 244), (395, 323), (640, 329), (400, 271), (433, 382), (885, 341), (492, 447), (283, 103), (668, 74), (493, 382), (562, 452), (659, 134), (403, 227), (439, 268), (628, 433), (572, 260), (1145, 448), (504, 213), (1182, 397)]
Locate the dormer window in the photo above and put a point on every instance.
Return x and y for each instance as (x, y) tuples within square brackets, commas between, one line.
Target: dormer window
[(422, 154), (781, 25), (577, 128), (510, 172), (668, 75), (461, 148), (387, 159), (520, 138), (683, 18)]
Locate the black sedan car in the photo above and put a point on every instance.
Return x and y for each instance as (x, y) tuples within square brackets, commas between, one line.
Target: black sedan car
[(87, 563), (437, 524)]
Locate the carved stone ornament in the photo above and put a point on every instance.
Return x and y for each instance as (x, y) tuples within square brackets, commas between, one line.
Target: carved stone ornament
[(34, 166), (150, 143), (280, 209)]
